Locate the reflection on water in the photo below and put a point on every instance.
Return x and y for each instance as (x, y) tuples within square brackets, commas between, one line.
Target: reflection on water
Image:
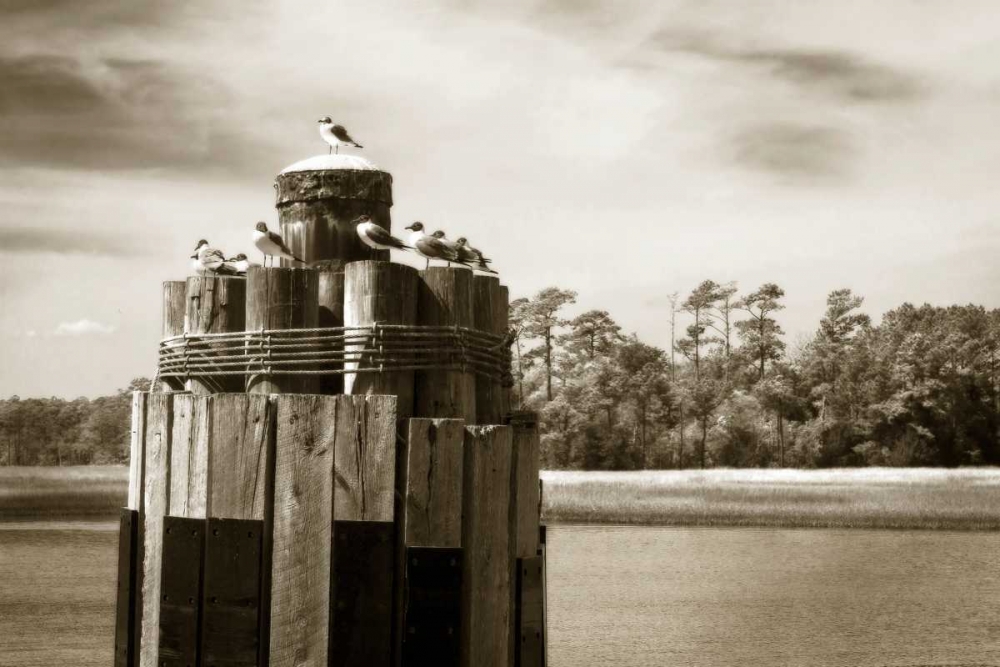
[(628, 597), (632, 597)]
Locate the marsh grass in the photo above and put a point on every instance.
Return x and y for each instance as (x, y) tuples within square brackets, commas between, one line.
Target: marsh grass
[(964, 499), (63, 491)]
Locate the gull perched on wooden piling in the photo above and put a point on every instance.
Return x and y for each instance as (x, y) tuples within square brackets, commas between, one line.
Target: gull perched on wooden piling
[(335, 135), (428, 246), (377, 237), (209, 260), (240, 263), (271, 244), (472, 257)]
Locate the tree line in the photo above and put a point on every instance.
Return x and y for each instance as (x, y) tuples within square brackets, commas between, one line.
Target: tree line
[(56, 431), (920, 388)]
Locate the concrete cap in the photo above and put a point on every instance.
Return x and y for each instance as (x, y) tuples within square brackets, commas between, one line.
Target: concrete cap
[(332, 163)]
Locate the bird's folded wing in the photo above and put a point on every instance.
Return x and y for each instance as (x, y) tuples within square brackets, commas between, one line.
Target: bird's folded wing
[(278, 241), (380, 235)]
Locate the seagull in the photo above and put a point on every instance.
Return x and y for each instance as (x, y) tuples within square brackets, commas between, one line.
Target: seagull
[(240, 263), (428, 246), (377, 237), (335, 135), (271, 245), (452, 245), (472, 257), (208, 260)]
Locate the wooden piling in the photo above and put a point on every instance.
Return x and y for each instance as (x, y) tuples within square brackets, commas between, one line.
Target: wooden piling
[(174, 315), (189, 448), (331, 314), (317, 208), (303, 521), (433, 483), (156, 498), (485, 543), (282, 299), (382, 293), (490, 315), (215, 304), (444, 298), (523, 519)]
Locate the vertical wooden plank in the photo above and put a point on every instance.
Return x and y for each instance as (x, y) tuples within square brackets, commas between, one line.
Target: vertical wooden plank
[(174, 317), (365, 457), (215, 304), (365, 476), (330, 303), (189, 456), (231, 600), (485, 542), (524, 507), (490, 315), (303, 519), (432, 514), (183, 541), (433, 628), (241, 457), (156, 488), (529, 650), (125, 602), (136, 456)]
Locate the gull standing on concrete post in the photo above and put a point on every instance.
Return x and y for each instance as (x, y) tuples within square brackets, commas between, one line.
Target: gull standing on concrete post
[(208, 260), (377, 237), (429, 247), (335, 135), (472, 257), (271, 245)]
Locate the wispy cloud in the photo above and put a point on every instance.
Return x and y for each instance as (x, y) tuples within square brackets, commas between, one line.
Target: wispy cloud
[(83, 327), (795, 151), (36, 240)]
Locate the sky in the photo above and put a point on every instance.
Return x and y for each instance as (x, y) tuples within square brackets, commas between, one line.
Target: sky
[(626, 150)]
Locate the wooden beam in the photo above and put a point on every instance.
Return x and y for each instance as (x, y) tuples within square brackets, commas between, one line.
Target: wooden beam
[(490, 315), (524, 520), (189, 447), (215, 304), (136, 455), (303, 518), (180, 591), (383, 293), (486, 567), (241, 457), (444, 298), (128, 535), (432, 483), (365, 455), (331, 314), (174, 316), (282, 298), (156, 498)]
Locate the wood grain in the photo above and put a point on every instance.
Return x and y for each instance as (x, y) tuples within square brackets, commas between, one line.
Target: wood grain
[(215, 304), (444, 298), (303, 518), (136, 455), (490, 315), (189, 456), (241, 457), (485, 542), (432, 515), (156, 497), (365, 456)]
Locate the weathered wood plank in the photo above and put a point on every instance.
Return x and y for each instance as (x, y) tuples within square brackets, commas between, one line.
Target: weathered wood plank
[(189, 456), (529, 621), (136, 456), (432, 514), (303, 519), (180, 591), (485, 541), (241, 457), (156, 498), (490, 314), (524, 508), (330, 304), (231, 599), (215, 304), (174, 317), (365, 457), (128, 535)]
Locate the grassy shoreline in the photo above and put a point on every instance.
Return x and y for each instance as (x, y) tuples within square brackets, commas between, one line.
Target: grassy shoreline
[(888, 498), (924, 498)]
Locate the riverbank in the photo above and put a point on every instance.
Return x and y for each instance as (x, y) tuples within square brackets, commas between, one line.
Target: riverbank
[(925, 498)]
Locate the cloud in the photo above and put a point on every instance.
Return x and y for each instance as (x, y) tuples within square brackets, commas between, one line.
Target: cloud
[(32, 240), (836, 73), (795, 151), (83, 327)]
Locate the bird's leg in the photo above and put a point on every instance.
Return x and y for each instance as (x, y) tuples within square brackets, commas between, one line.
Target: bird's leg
[(427, 263), (338, 149), (331, 151)]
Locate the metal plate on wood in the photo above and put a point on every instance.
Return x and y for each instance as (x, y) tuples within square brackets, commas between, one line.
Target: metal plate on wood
[(529, 618), (361, 614), (231, 593), (128, 536), (180, 584), (433, 621)]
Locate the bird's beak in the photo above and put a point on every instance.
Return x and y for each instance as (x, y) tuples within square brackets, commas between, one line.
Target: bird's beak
[(408, 227), (320, 120), (194, 256), (357, 219)]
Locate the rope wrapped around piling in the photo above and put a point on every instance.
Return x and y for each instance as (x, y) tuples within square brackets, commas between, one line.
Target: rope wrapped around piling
[(373, 348)]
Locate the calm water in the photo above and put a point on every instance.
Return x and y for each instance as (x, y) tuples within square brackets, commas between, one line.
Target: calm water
[(621, 596)]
